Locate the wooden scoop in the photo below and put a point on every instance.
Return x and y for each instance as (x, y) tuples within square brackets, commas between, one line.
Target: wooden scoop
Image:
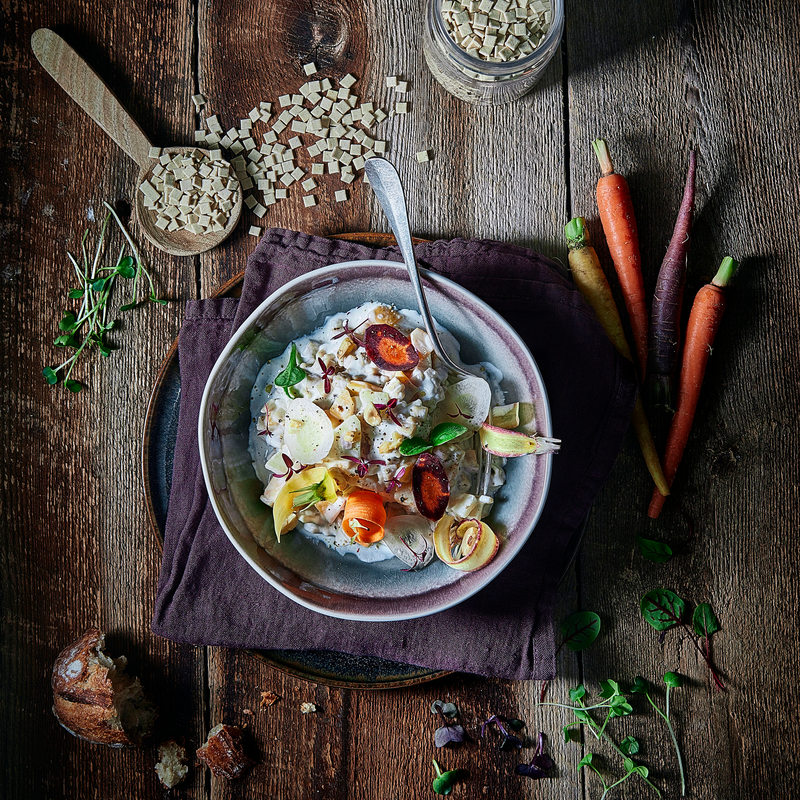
[(86, 88)]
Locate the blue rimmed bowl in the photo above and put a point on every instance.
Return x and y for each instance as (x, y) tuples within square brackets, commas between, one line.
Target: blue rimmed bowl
[(304, 570)]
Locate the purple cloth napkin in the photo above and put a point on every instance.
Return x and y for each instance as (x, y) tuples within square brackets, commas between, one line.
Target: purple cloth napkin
[(208, 594)]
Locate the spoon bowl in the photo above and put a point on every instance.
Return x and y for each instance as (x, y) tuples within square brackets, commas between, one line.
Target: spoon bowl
[(88, 90), (182, 242), (388, 189)]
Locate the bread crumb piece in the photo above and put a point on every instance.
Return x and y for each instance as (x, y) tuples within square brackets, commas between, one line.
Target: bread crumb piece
[(223, 753), (268, 699), (171, 768), (307, 708)]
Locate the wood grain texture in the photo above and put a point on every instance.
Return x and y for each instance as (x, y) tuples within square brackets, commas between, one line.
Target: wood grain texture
[(653, 79), (77, 551)]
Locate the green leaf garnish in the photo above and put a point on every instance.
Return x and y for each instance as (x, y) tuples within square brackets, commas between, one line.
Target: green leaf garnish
[(662, 609), (629, 746), (704, 621), (586, 760), (446, 431), (441, 434), (413, 447), (309, 495), (673, 680), (580, 630), (443, 782), (292, 374), (654, 551), (577, 693), (85, 328)]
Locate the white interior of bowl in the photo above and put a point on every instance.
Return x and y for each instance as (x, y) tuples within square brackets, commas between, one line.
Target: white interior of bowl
[(299, 567)]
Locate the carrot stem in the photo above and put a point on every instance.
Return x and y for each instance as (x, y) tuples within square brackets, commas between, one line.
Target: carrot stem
[(603, 156)]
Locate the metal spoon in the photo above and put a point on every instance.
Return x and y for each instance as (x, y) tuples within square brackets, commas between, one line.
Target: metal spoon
[(385, 182), (86, 88)]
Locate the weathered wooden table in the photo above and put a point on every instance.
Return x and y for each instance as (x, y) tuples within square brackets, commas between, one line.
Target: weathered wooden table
[(653, 78)]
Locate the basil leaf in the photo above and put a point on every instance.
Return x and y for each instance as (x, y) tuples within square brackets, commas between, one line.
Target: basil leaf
[(412, 447), (654, 551), (580, 630), (662, 609), (445, 432), (704, 621), (292, 374)]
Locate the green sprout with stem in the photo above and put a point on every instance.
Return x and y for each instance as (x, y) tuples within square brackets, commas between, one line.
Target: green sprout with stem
[(615, 704), (87, 328), (673, 681)]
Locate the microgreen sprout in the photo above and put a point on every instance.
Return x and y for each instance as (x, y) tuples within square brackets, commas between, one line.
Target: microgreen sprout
[(579, 631), (292, 375), (87, 328), (351, 333), (290, 468), (308, 495), (449, 732), (395, 480), (615, 704), (673, 681), (327, 373), (443, 782), (442, 433), (363, 465), (388, 408), (540, 764), (662, 609), (509, 740)]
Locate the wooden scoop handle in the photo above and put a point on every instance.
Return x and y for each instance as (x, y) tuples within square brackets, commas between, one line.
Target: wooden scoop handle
[(86, 88)]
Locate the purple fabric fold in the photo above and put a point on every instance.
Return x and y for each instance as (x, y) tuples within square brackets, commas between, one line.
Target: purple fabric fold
[(208, 594)]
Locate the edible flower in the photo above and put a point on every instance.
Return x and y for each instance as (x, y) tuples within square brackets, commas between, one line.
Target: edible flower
[(351, 333), (363, 466), (387, 407), (327, 372)]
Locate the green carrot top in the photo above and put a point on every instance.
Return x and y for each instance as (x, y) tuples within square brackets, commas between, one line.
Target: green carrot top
[(576, 233), (725, 272), (603, 156)]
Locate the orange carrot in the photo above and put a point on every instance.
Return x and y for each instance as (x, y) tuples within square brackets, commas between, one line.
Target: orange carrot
[(704, 320), (592, 284), (364, 516), (619, 224)]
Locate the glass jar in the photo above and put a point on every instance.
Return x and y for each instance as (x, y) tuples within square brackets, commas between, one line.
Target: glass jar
[(485, 82)]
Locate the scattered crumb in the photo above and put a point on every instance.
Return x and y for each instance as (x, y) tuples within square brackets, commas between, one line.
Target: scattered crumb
[(171, 768), (247, 712), (268, 699), (307, 708)]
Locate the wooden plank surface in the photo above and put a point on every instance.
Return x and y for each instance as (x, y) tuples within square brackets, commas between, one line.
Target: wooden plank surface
[(653, 79)]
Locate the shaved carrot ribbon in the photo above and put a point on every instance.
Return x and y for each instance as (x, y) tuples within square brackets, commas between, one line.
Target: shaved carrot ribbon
[(364, 517)]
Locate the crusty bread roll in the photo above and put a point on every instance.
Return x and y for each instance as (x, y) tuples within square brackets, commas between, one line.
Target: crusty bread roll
[(95, 699), (223, 752)]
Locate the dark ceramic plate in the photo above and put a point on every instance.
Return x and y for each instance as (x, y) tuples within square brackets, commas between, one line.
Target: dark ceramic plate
[(320, 666)]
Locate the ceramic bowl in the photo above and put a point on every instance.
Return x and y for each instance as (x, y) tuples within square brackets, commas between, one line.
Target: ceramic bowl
[(304, 570)]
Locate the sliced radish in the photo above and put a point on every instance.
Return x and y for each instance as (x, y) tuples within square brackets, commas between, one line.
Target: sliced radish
[(410, 539), (468, 402), (308, 433), (466, 546), (509, 444)]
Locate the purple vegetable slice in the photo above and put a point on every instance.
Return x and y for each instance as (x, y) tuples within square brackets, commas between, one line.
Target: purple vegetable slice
[(389, 349), (430, 486)]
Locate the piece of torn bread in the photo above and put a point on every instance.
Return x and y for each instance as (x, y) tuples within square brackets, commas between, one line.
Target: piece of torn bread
[(95, 699), (223, 752), (171, 768)]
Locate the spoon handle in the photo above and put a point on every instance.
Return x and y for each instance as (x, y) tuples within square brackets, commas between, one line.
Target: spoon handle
[(86, 88), (385, 182)]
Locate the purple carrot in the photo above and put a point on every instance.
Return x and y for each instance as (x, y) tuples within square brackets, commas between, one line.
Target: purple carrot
[(665, 319)]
